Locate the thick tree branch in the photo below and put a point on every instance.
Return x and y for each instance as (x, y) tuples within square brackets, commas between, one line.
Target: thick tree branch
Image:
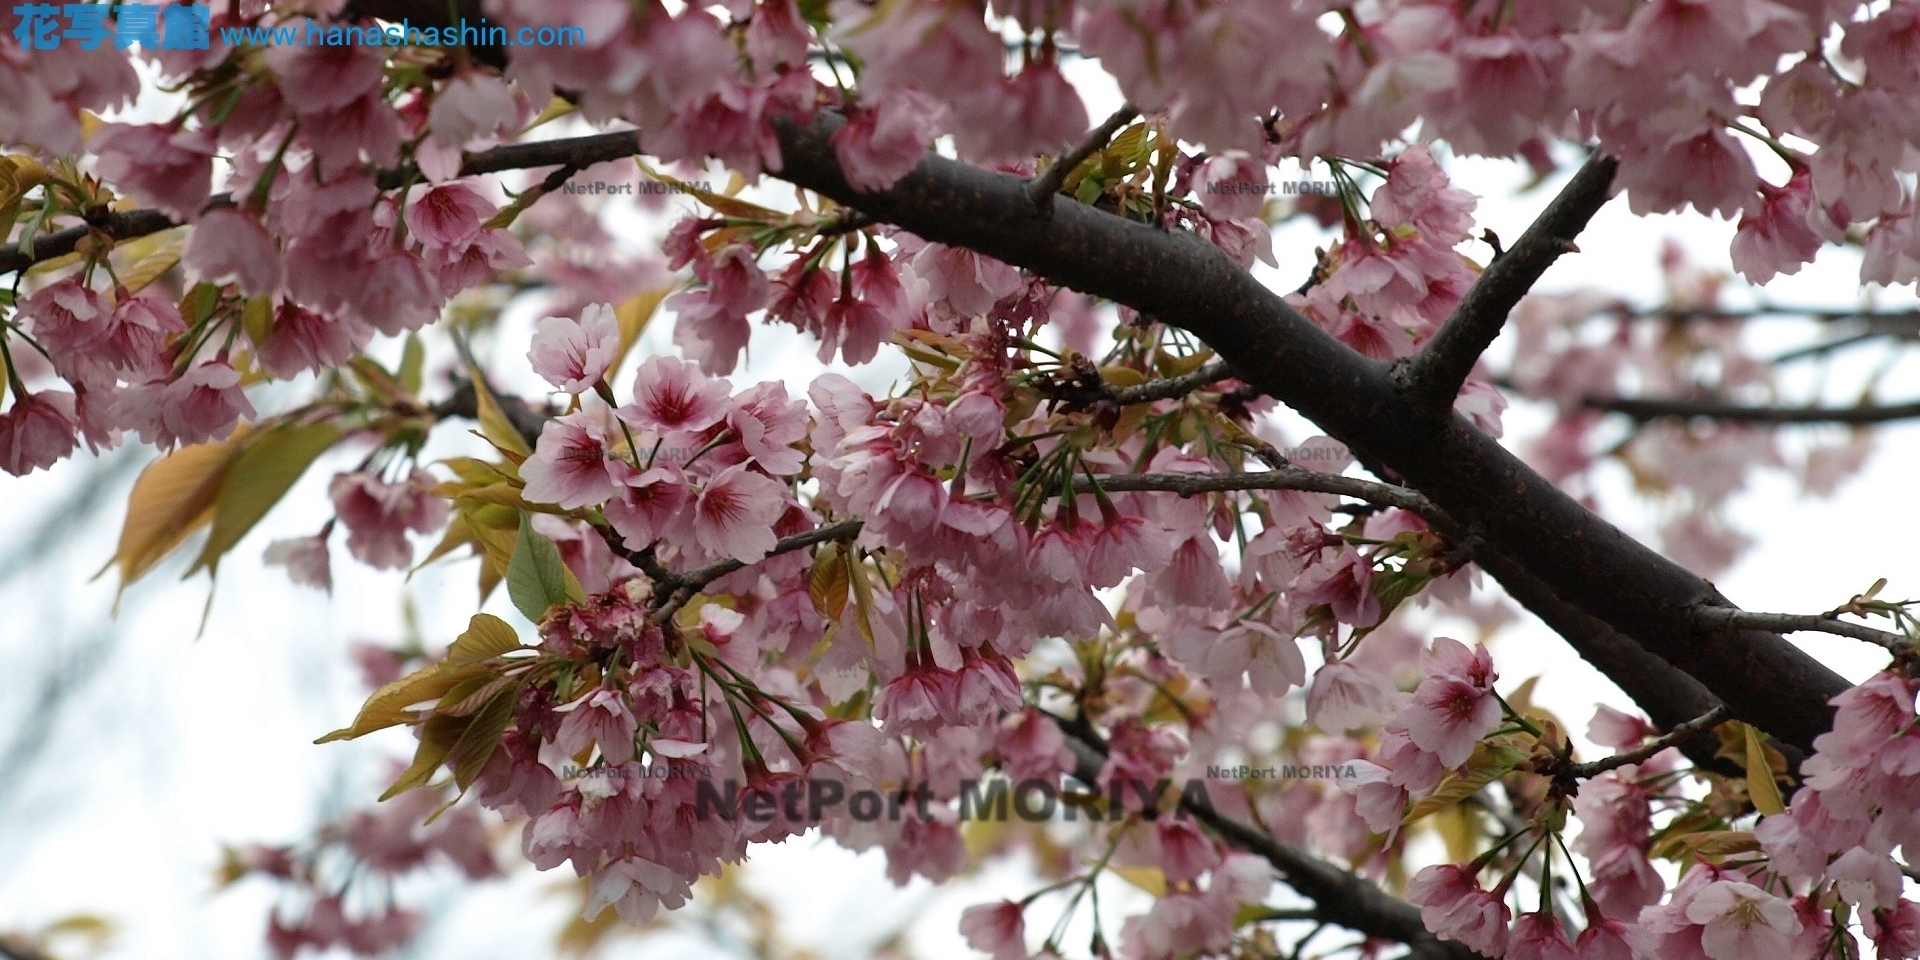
[(1339, 897), (1645, 410), (115, 226), (1432, 378), (1184, 281)]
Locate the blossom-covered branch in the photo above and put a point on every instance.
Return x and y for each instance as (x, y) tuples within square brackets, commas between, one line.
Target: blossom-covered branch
[(1674, 737), (1188, 283), (1339, 896)]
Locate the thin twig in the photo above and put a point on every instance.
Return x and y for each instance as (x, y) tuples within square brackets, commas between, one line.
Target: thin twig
[(1213, 371), (1279, 478), (1729, 618), (1583, 771), (1042, 188)]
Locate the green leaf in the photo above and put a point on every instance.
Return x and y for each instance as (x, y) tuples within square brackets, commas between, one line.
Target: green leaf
[(437, 739), (1761, 787), (199, 302), (487, 637), (537, 579), (388, 705), (171, 501), (1490, 761), (482, 737), (827, 585), (257, 479), (413, 361)]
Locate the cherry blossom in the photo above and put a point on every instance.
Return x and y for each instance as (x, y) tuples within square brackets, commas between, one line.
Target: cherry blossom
[(574, 355)]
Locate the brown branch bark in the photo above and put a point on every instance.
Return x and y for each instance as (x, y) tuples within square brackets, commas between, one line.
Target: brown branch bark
[(1432, 378), (1644, 410)]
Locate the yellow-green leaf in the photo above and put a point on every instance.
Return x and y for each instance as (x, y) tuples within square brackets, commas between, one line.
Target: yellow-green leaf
[(413, 360), (257, 479), (494, 425), (1761, 788), (437, 739), (482, 737), (149, 267), (173, 498), (487, 637), (1149, 879), (731, 206), (827, 584), (633, 314), (388, 705), (1490, 762), (257, 319)]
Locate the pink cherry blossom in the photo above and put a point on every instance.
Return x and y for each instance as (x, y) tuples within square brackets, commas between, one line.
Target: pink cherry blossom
[(447, 214), (573, 355), (884, 142), (999, 929), (713, 320), (303, 340), (319, 79), (1778, 240), (1742, 921), (917, 702), (984, 687), (306, 558), (733, 514), (671, 395), (161, 167), (1451, 711), (600, 719), (768, 424), (648, 504), (1453, 906), (1186, 853), (379, 514), (204, 403), (1344, 585), (473, 106), (572, 466), (227, 246), (1538, 936), (36, 432)]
